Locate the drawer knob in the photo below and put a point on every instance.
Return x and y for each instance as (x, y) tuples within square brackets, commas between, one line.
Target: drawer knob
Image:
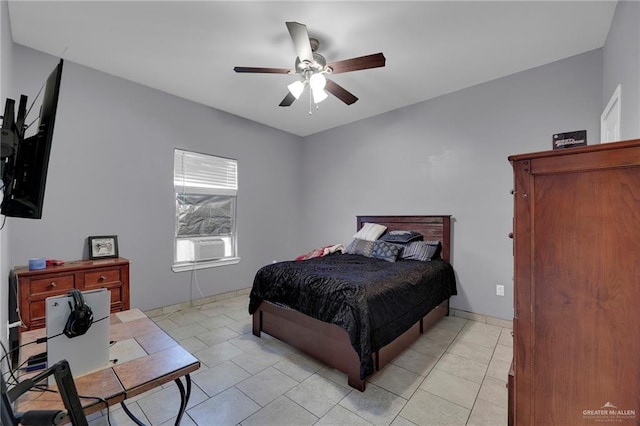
[(52, 284), (102, 278), (511, 235)]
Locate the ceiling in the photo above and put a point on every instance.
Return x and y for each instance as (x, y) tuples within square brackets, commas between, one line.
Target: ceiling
[(189, 48)]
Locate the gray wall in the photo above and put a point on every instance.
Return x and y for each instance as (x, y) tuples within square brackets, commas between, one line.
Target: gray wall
[(111, 172), (621, 62), (449, 156), (6, 87)]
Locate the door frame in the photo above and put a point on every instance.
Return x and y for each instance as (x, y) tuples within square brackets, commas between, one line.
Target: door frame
[(612, 112)]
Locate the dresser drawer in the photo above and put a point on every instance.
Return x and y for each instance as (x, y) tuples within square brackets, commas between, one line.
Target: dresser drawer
[(104, 278), (37, 311), (42, 288)]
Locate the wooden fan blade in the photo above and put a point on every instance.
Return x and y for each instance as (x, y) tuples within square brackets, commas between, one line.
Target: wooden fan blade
[(262, 70), (361, 63), (300, 38), (340, 92), (288, 100)]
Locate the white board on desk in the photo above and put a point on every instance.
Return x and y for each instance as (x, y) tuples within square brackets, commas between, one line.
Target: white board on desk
[(85, 353)]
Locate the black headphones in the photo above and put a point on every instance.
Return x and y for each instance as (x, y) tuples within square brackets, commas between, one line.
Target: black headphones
[(80, 318)]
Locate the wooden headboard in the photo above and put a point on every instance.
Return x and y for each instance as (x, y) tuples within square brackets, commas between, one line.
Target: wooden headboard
[(431, 227)]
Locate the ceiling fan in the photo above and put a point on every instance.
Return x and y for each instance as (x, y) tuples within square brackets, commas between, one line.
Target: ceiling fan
[(313, 69)]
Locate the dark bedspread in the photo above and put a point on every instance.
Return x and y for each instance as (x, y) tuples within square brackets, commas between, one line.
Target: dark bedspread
[(373, 300)]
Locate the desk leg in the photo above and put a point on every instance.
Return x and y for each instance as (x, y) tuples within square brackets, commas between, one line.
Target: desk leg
[(184, 397), (131, 415), (184, 400)]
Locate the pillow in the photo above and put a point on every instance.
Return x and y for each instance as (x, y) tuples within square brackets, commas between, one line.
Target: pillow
[(385, 251), (370, 231), (361, 247), (421, 250), (402, 237)]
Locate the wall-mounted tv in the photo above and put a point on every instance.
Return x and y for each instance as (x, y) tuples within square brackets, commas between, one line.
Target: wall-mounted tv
[(25, 160)]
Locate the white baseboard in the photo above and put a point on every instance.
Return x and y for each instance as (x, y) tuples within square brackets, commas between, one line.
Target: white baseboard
[(197, 302), (498, 322)]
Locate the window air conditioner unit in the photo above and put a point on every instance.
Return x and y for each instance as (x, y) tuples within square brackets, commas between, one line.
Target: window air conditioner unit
[(209, 249)]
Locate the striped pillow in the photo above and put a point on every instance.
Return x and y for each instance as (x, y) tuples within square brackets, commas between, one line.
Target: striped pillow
[(420, 250), (370, 231)]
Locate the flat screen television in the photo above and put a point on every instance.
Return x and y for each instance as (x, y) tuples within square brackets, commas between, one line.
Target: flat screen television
[(25, 160)]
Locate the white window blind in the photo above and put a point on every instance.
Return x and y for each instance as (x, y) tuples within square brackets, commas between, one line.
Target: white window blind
[(196, 173), (206, 188)]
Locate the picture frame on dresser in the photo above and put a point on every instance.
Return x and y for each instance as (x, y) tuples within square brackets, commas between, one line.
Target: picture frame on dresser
[(103, 246)]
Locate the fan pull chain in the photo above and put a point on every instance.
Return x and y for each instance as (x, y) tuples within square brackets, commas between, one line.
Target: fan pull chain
[(311, 103)]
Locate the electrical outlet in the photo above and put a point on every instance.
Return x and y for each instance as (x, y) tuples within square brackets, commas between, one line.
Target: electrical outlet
[(499, 290)]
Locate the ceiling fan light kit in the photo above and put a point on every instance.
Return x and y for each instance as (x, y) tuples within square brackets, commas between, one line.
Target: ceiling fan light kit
[(317, 81), (313, 69), (296, 88), (319, 95)]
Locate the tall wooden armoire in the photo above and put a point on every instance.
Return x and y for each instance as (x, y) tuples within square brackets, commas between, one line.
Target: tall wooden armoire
[(577, 286)]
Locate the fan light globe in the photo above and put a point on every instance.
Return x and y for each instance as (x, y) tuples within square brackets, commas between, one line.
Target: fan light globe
[(317, 82), (296, 88), (319, 95)]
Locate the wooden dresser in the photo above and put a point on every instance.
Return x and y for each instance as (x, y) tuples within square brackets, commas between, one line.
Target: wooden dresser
[(577, 286), (35, 286)]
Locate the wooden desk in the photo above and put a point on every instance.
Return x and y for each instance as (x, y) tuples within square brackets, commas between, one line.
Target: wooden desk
[(163, 360)]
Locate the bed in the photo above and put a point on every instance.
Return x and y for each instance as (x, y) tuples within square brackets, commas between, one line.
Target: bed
[(364, 321)]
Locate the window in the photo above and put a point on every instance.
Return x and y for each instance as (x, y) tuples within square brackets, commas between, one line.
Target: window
[(206, 189)]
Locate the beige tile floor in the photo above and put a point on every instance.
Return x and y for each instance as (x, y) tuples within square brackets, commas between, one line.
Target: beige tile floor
[(455, 374)]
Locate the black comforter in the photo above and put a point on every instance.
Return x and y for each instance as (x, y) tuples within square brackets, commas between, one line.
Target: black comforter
[(373, 300)]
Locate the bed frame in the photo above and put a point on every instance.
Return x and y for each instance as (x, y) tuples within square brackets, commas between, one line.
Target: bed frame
[(330, 343)]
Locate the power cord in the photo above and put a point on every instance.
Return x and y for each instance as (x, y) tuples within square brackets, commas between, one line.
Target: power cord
[(39, 388), (9, 369)]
